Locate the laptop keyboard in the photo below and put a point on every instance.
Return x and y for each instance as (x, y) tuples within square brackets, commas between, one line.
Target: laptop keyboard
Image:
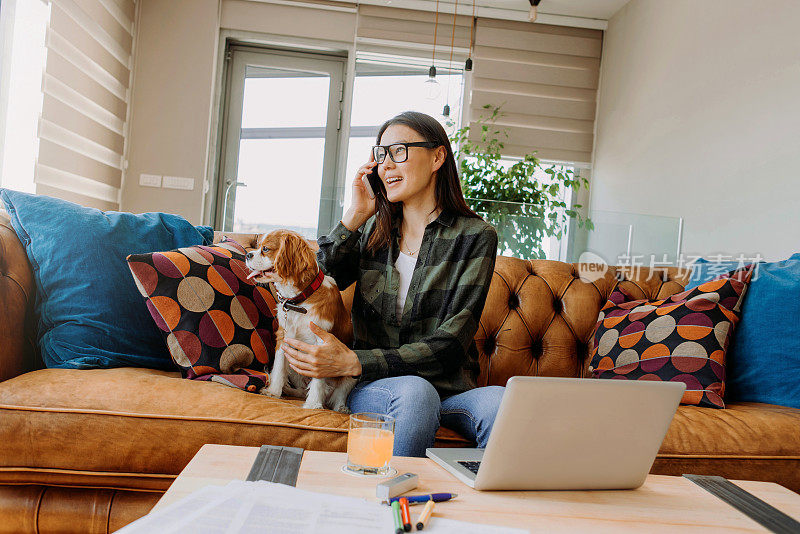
[(472, 466)]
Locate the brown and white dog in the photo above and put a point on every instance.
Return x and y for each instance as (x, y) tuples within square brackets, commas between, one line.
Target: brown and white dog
[(286, 260)]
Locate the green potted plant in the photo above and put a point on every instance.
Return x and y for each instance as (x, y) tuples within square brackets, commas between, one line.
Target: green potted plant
[(523, 209)]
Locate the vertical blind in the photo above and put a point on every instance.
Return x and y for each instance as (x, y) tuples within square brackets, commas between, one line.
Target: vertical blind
[(545, 80), (85, 105)]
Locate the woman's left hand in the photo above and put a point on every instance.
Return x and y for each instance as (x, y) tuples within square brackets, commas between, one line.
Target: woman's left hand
[(332, 358)]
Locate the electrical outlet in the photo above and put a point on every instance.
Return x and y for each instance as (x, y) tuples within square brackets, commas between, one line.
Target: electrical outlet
[(150, 180), (178, 182)]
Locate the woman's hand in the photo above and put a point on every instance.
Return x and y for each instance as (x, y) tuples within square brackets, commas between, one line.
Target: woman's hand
[(332, 358), (362, 206)]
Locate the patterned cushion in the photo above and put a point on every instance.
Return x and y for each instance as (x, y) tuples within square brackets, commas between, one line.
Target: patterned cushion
[(217, 324), (682, 338)]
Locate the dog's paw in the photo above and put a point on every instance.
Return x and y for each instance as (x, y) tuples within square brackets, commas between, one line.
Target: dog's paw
[(271, 391), (342, 408), (312, 405)]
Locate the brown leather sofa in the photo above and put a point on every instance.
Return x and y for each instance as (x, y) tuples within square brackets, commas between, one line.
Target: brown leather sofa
[(91, 450)]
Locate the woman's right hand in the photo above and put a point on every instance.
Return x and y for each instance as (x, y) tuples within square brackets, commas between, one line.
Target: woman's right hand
[(362, 206)]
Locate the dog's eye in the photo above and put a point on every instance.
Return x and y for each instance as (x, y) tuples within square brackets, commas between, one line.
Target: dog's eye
[(264, 249)]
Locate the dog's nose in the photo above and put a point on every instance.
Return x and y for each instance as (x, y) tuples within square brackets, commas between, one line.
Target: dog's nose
[(249, 255)]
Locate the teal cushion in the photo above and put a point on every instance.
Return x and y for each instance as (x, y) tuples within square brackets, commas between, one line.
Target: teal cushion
[(90, 311), (764, 359)]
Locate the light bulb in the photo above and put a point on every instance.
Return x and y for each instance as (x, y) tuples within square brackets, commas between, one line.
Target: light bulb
[(433, 89)]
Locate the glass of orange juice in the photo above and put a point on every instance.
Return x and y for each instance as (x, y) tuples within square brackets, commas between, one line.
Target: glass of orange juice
[(369, 444)]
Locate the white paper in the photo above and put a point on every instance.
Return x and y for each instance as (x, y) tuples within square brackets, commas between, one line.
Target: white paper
[(250, 507), (177, 513)]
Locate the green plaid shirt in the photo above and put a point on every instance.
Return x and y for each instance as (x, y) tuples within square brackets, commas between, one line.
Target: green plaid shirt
[(434, 338)]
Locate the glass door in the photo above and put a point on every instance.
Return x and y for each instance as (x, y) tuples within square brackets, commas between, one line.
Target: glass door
[(280, 142)]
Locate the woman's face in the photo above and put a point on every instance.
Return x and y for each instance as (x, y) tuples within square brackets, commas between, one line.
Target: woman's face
[(412, 178)]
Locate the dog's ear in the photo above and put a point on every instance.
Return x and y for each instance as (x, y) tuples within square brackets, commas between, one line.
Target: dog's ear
[(308, 258), (294, 258), (285, 257)]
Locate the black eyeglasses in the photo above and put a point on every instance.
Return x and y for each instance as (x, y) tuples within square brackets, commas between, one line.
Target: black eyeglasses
[(398, 151)]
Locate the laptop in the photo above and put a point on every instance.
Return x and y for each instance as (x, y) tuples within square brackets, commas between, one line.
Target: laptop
[(569, 434)]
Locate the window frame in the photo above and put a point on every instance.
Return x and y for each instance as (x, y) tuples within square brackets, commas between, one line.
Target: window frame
[(236, 64)]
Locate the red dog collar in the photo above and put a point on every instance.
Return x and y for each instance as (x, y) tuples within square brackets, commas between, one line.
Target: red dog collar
[(292, 303)]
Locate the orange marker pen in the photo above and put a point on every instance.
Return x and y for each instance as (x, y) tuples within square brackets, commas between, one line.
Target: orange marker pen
[(405, 514)]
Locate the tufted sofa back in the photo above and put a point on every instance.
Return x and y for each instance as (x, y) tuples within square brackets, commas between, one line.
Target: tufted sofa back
[(540, 314)]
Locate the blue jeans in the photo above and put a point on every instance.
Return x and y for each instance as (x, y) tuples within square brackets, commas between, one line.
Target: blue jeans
[(418, 411)]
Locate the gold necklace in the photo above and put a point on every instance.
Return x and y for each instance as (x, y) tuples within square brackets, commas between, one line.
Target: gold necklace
[(410, 253)]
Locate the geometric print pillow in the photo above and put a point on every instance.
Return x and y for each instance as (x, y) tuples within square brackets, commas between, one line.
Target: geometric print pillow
[(218, 325), (683, 338)]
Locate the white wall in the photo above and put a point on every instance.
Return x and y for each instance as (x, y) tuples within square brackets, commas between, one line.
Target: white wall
[(699, 117), (173, 89)]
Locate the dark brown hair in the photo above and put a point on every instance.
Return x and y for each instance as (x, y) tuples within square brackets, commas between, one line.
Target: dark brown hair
[(449, 196)]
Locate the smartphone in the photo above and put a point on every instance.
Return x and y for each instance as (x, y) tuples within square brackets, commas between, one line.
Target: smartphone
[(370, 181)]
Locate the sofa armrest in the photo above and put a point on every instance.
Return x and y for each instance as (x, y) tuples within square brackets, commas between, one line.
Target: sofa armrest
[(17, 354)]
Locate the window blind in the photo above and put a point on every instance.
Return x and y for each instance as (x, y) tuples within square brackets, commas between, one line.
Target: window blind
[(545, 77), (386, 29), (85, 104), (312, 19)]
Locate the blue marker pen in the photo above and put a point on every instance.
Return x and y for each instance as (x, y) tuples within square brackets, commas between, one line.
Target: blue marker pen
[(422, 499)]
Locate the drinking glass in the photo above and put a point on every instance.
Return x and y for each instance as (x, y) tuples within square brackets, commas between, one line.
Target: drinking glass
[(369, 443)]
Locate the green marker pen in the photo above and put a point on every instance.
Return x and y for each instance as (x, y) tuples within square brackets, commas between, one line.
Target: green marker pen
[(398, 523)]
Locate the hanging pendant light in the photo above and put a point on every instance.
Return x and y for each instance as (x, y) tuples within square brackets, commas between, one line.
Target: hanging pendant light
[(432, 87), (446, 110), (468, 63)]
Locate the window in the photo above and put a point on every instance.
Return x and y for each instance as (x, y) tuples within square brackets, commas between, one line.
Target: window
[(280, 151), (511, 221), (23, 24), (554, 248), (282, 138), (282, 132), (387, 86)]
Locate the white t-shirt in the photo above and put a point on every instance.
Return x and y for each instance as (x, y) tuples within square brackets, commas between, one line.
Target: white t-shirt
[(405, 266)]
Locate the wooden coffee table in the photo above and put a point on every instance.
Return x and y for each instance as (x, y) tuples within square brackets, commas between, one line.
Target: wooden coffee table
[(662, 504)]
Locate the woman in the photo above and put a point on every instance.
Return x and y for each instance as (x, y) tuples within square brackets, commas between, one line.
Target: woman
[(422, 261)]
